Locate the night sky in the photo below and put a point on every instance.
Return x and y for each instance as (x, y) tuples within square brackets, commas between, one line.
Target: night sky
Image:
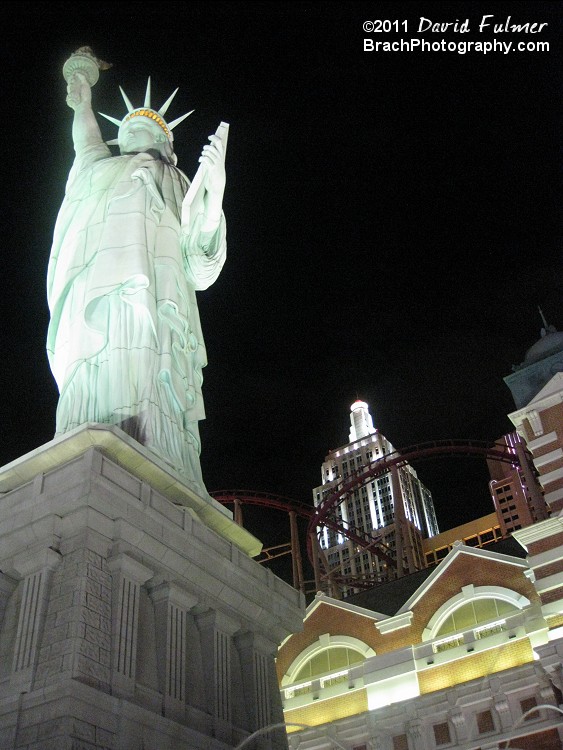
[(393, 221)]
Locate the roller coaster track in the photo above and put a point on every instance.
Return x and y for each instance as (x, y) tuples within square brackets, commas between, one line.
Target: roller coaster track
[(326, 513)]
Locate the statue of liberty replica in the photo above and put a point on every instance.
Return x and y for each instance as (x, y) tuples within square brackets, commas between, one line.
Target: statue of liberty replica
[(131, 613), (133, 242)]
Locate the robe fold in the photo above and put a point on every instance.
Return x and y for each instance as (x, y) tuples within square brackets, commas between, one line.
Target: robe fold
[(124, 342)]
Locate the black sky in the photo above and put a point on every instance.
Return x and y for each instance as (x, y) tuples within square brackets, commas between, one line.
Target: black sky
[(393, 221)]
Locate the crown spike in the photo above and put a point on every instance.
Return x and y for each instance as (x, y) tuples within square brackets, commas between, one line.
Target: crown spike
[(164, 108), (148, 94), (111, 119), (178, 120), (128, 104)]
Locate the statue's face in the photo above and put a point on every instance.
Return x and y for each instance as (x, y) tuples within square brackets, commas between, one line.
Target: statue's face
[(139, 134)]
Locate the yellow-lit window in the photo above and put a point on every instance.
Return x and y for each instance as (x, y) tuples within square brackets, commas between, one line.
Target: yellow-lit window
[(472, 613), (330, 660)]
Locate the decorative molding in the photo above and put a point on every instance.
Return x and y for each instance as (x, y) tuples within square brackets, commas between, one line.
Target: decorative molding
[(549, 437), (397, 622), (547, 458), (539, 531)]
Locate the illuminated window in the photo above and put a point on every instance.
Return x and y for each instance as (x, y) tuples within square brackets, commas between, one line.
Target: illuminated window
[(329, 660), (442, 734), (470, 614), (485, 722)]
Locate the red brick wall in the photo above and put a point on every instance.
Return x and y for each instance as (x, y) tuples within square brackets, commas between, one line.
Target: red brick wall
[(463, 571), (543, 545), (327, 619), (548, 570)]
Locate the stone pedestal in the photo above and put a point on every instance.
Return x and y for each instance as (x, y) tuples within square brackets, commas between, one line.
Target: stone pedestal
[(132, 615)]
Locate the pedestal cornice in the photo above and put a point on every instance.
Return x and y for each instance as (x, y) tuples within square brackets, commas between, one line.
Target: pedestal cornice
[(140, 462)]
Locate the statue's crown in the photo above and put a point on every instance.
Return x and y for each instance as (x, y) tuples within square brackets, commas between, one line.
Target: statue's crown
[(157, 116), (151, 114)]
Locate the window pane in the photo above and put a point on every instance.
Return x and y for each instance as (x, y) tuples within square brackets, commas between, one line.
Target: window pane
[(329, 660), (505, 608), (400, 742), (485, 722), (354, 657), (442, 734), (485, 609), (464, 617), (337, 659), (319, 664), (526, 705), (304, 673), (447, 627)]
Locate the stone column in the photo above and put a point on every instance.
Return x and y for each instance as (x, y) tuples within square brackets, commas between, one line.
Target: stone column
[(256, 658), (216, 631), (36, 571), (502, 707), (7, 587), (457, 717), (260, 686), (415, 731), (128, 576), (171, 607)]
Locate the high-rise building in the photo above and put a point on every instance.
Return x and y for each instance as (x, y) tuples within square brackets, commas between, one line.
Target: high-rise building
[(465, 653), (537, 388), (376, 506), (515, 491)]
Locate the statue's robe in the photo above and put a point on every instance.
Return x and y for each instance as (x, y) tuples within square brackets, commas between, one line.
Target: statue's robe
[(125, 343)]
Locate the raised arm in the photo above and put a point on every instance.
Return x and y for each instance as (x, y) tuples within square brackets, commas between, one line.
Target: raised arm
[(85, 128)]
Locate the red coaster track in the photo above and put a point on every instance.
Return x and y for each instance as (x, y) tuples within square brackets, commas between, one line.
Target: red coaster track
[(325, 514)]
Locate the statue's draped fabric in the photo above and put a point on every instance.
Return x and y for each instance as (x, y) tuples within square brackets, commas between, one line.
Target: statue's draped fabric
[(125, 343)]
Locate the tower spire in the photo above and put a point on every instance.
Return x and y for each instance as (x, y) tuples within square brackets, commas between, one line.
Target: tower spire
[(360, 420)]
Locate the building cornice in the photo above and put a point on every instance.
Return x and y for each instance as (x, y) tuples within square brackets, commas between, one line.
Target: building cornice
[(539, 531)]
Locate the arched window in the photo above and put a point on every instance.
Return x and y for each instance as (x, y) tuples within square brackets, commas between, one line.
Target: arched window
[(327, 655), (474, 613), (329, 660), (473, 606)]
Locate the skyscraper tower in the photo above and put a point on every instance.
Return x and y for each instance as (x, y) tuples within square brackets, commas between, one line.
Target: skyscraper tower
[(396, 509), (537, 389)]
